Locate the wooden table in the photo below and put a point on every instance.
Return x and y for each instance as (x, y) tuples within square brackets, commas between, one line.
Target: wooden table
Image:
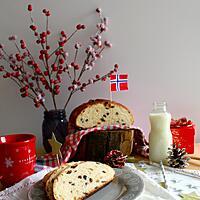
[(194, 164)]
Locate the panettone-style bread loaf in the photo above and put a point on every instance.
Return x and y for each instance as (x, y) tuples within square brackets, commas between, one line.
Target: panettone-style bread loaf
[(100, 112), (79, 180)]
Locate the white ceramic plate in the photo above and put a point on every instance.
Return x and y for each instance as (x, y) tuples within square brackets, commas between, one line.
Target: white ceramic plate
[(126, 186)]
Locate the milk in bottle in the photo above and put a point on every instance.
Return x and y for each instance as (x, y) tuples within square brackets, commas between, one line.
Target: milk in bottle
[(160, 137)]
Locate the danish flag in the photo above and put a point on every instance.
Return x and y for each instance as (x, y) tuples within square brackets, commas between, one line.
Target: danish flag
[(118, 82)]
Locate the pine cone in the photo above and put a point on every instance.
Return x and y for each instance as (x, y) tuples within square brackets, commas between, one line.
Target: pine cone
[(177, 157), (115, 158)]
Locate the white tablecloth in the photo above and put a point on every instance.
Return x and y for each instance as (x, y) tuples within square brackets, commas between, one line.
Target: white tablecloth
[(152, 191)]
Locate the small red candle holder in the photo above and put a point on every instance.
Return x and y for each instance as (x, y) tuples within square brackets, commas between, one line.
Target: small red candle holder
[(183, 133)]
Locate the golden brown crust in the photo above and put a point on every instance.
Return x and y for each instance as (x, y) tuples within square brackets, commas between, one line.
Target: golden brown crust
[(46, 177), (79, 109)]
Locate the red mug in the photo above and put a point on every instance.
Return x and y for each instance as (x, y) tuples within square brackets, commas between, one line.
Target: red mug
[(17, 157)]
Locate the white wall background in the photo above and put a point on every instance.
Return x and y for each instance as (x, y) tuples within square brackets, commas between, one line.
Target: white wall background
[(157, 42)]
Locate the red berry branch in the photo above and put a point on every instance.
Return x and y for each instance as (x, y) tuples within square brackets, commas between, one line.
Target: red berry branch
[(36, 75)]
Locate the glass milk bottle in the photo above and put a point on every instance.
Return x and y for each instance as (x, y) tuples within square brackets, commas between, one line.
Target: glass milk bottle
[(160, 137)]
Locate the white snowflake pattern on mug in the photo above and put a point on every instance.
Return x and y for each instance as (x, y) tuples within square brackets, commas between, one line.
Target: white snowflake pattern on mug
[(8, 162)]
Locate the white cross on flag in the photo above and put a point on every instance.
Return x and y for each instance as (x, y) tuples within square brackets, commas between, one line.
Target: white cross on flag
[(118, 82)]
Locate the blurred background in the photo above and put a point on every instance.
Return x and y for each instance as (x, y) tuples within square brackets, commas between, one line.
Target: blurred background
[(156, 42)]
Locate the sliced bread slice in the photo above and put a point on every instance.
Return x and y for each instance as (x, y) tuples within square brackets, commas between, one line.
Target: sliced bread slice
[(53, 175), (81, 181)]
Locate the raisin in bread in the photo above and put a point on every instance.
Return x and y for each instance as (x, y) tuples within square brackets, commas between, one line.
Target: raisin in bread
[(100, 112), (80, 180)]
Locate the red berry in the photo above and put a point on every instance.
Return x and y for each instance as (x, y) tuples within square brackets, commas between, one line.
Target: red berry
[(19, 58), (52, 81), (98, 10), (56, 87), (116, 66), (23, 46), (30, 8), (38, 41), (103, 79), (22, 89), (43, 41), (46, 73), (47, 56), (35, 65), (79, 26), (37, 105), (61, 44), (63, 33), (47, 47), (58, 78), (43, 34), (37, 70), (31, 85), (56, 92), (45, 52), (82, 89), (83, 26), (61, 61), (25, 94), (32, 27), (41, 57), (73, 64), (70, 88), (84, 85), (54, 67), (48, 13), (36, 34), (57, 53), (46, 87), (26, 87), (30, 62), (1, 68), (42, 79), (79, 83), (44, 11), (61, 67), (60, 71), (97, 76), (77, 67), (48, 32)]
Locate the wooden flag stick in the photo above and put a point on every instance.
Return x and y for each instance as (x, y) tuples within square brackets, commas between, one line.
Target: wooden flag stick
[(58, 160), (61, 157), (110, 95)]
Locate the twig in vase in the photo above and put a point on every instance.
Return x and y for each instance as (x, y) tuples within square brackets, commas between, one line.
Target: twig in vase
[(36, 76)]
